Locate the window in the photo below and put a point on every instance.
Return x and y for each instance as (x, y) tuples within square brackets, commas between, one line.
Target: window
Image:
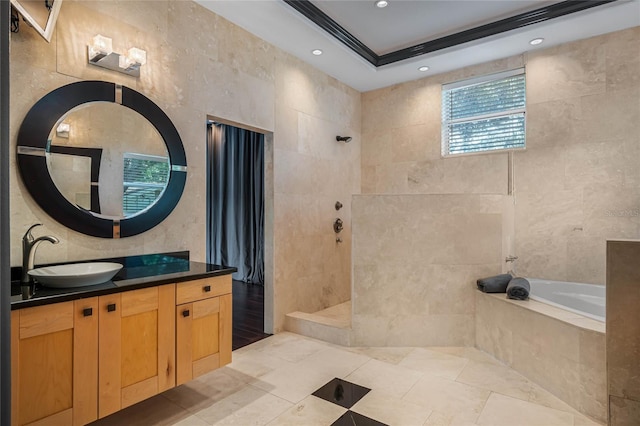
[(145, 177), (484, 114)]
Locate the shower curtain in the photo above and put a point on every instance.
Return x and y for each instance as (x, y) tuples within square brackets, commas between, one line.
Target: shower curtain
[(235, 200)]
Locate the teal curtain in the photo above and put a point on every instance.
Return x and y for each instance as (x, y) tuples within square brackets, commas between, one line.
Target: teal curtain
[(235, 201)]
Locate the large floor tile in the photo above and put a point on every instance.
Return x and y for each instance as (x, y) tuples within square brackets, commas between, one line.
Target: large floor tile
[(156, 411), (256, 363), (390, 409), (389, 378), (293, 350), (496, 378), (293, 383), (463, 402), (389, 355), (541, 396), (310, 411), (191, 421), (580, 420), (335, 362), (205, 391), (503, 410), (434, 363), (438, 418), (250, 406)]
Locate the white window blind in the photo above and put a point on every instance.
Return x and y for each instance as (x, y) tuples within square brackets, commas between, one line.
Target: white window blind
[(145, 177), (484, 114)]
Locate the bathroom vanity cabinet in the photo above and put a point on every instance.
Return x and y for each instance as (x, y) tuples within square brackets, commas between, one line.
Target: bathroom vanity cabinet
[(137, 346), (74, 362), (203, 327), (54, 364)]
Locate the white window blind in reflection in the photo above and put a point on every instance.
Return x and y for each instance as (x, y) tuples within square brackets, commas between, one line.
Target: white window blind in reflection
[(145, 177), (484, 114)]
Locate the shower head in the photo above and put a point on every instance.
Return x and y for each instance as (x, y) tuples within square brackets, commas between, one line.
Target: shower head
[(345, 139)]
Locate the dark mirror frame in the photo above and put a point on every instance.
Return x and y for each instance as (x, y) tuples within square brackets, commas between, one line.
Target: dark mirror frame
[(33, 144)]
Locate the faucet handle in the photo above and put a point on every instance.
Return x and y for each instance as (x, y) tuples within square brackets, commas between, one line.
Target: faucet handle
[(27, 235)]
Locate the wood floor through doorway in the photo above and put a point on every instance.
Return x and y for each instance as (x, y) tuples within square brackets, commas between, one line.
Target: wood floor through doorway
[(248, 314)]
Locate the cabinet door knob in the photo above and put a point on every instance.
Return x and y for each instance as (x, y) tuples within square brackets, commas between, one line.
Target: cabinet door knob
[(207, 288), (111, 307), (87, 312), (185, 313)]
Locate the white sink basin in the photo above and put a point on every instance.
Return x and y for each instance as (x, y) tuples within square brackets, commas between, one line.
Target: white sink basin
[(75, 274)]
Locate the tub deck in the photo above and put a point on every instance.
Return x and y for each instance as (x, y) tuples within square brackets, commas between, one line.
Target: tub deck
[(573, 318)]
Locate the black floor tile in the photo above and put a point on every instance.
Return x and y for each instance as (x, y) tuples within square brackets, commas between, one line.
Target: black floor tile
[(351, 418), (341, 392)]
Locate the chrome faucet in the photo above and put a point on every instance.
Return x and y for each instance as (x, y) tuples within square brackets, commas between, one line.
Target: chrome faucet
[(29, 245), (511, 259)]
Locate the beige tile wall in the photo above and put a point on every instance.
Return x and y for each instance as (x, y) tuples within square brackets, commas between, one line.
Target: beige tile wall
[(201, 65), (623, 332), (415, 262), (577, 182)]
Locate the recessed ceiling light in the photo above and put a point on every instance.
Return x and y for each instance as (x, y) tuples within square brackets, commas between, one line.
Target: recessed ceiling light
[(317, 52), (536, 41), (423, 68), (382, 3)]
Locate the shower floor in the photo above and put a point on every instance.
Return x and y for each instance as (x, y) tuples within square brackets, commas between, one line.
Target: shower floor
[(332, 324), (336, 316)]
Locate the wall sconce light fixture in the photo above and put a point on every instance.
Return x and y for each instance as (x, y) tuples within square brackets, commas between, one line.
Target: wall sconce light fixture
[(63, 129), (345, 139), (101, 54)]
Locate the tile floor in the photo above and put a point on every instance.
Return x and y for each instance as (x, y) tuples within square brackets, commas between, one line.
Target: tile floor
[(271, 382)]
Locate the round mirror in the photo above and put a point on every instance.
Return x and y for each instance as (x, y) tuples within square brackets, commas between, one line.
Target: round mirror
[(101, 159)]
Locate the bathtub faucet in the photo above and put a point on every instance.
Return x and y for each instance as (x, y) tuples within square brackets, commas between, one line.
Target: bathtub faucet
[(511, 259)]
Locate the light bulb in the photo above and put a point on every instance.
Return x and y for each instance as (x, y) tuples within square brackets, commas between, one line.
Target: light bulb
[(100, 47), (134, 58), (138, 56)]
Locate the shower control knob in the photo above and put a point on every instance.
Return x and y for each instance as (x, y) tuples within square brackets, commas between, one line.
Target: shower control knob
[(337, 225), (338, 205)]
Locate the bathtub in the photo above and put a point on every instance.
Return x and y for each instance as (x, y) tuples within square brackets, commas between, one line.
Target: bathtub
[(584, 299), (556, 339)]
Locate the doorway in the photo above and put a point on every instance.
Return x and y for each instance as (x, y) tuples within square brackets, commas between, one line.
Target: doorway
[(236, 221)]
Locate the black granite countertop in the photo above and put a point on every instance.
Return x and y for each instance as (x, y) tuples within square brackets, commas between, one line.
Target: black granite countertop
[(138, 272)]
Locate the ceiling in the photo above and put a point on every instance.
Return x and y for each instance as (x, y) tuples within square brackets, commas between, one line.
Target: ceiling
[(432, 26)]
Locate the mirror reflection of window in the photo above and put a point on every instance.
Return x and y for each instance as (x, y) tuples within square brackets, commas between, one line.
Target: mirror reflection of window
[(144, 180)]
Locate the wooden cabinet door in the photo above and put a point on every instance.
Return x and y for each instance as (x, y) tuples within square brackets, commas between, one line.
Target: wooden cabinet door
[(54, 364), (137, 346), (203, 333)]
